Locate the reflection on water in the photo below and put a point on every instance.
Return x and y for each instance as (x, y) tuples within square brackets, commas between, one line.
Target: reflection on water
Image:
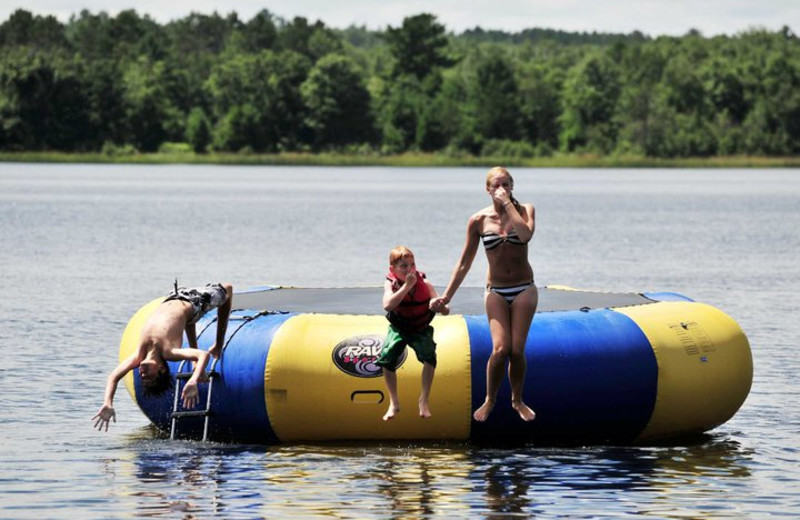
[(372, 480)]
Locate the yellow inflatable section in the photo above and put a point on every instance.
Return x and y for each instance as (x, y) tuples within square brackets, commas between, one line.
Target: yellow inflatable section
[(308, 398), (130, 338), (705, 367)]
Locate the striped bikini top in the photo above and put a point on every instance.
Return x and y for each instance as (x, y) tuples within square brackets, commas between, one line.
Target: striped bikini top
[(492, 240)]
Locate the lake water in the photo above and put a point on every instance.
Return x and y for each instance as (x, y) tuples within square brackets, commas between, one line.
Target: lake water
[(84, 246)]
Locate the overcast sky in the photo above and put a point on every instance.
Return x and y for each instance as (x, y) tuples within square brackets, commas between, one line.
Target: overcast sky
[(652, 17)]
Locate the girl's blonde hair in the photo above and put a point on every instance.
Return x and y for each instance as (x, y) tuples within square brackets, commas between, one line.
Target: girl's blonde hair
[(500, 171), (497, 171)]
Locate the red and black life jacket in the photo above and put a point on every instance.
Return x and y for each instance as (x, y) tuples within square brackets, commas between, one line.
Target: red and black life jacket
[(413, 314)]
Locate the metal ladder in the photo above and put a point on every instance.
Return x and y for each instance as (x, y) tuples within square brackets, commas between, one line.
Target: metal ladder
[(211, 374)]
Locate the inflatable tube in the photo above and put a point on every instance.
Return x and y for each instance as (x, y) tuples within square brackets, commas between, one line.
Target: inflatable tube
[(298, 365)]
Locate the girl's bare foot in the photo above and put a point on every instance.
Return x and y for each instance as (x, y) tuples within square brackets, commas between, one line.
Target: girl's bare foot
[(525, 413), (424, 410), (482, 413), (391, 412)]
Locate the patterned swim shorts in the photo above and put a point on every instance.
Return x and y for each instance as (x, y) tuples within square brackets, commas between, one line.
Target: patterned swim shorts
[(203, 299)]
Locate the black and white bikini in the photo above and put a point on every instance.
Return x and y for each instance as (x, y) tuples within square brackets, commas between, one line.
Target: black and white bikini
[(491, 241), (509, 293)]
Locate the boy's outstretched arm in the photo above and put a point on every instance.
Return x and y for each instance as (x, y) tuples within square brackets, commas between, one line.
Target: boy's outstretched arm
[(223, 313), (200, 359), (106, 412)]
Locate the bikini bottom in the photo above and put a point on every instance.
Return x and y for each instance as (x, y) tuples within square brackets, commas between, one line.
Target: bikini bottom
[(509, 293)]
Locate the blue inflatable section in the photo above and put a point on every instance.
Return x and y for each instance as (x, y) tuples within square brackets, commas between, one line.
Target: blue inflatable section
[(592, 373), (237, 398), (667, 297)]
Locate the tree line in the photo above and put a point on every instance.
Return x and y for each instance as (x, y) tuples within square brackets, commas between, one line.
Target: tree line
[(266, 85)]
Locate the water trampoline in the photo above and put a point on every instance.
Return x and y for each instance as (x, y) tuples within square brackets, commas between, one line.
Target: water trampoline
[(298, 366)]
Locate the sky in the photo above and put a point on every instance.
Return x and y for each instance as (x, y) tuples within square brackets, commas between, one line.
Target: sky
[(651, 17)]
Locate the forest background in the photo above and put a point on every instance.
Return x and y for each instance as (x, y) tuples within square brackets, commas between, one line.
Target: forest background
[(212, 88)]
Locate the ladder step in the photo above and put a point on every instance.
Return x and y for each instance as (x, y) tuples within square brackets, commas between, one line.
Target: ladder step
[(192, 413), (207, 376)]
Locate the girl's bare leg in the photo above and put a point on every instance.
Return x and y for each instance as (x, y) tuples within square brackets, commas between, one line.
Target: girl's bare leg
[(498, 312), (522, 310)]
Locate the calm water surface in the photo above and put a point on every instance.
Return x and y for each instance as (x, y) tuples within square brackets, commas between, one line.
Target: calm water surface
[(83, 247)]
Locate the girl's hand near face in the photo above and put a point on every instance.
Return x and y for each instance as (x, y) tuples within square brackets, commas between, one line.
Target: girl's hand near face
[(501, 195)]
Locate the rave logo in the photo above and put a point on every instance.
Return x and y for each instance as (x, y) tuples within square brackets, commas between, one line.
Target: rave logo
[(356, 356)]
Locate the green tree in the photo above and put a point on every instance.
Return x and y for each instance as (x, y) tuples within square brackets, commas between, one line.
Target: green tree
[(90, 35), (726, 89), (240, 128), (198, 130), (419, 46), (201, 34), (338, 103), (43, 105), (398, 116), (641, 70), (124, 37), (591, 91), (269, 85), (313, 41), (323, 42), (105, 95), (772, 127), (261, 91), (148, 110), (258, 34), (495, 98), (540, 104), (22, 28), (442, 119), (685, 90)]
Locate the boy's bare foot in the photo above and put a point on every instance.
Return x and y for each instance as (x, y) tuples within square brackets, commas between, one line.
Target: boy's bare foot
[(214, 351), (525, 413), (391, 412), (482, 413), (424, 410)]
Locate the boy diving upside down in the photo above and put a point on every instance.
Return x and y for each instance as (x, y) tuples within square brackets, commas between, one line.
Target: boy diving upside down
[(161, 340)]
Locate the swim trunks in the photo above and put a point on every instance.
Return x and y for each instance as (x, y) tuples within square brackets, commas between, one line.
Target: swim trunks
[(202, 299), (396, 341)]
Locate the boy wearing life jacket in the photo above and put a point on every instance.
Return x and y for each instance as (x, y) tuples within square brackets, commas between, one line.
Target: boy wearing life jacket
[(161, 340), (407, 295)]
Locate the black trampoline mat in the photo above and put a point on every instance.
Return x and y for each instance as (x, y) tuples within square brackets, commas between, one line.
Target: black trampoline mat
[(367, 300)]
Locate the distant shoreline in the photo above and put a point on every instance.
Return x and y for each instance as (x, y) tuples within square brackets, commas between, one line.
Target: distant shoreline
[(403, 160)]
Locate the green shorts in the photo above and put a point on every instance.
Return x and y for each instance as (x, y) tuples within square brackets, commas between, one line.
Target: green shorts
[(396, 342)]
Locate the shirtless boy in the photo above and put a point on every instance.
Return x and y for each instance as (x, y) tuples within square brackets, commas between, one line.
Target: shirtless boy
[(161, 340)]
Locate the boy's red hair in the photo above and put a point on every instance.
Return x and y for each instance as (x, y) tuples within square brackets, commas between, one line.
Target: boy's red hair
[(398, 253)]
